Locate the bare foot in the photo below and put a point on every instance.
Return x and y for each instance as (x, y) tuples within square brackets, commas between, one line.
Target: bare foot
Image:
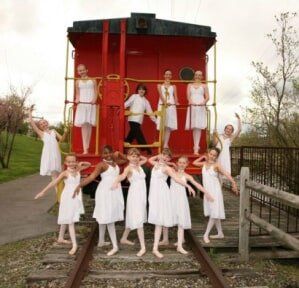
[(103, 244), (73, 250), (63, 241), (158, 254), (141, 252), (112, 252), (176, 243), (85, 152), (126, 242), (218, 236), (163, 243), (196, 152), (181, 250), (206, 239)]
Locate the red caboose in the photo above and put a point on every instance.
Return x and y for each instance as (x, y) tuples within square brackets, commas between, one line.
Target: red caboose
[(119, 54)]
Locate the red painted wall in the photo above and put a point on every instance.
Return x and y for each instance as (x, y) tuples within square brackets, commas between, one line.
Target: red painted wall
[(146, 58)]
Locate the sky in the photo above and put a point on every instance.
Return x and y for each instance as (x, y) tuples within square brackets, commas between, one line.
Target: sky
[(33, 42)]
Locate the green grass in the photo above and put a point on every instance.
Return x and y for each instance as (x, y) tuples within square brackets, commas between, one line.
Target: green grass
[(25, 159)]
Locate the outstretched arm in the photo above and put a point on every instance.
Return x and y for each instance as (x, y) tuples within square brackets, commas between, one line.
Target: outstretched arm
[(33, 125), (149, 110), (121, 177), (229, 177), (51, 185), (97, 171), (170, 172), (199, 187), (236, 135)]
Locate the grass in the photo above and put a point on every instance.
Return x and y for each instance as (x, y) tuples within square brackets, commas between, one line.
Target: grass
[(25, 159)]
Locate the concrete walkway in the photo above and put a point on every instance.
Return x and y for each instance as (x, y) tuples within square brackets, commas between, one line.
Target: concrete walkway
[(20, 215)]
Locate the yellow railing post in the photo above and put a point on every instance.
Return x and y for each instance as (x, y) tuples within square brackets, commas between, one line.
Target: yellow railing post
[(215, 81), (66, 78), (97, 129)]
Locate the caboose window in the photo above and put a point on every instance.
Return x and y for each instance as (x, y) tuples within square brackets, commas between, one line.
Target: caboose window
[(186, 73)]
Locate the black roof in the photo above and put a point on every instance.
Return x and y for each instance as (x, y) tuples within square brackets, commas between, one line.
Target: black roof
[(142, 23)]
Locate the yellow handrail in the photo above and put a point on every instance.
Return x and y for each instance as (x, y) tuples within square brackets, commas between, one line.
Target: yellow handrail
[(161, 81)]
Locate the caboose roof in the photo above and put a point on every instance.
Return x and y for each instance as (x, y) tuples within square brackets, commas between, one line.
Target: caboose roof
[(154, 27)]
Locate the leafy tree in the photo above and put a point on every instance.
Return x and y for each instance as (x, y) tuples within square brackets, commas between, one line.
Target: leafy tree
[(12, 114), (274, 114)]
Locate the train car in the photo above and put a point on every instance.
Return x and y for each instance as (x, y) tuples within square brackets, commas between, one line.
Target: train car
[(119, 54)]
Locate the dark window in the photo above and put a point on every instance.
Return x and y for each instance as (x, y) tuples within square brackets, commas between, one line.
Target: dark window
[(186, 73)]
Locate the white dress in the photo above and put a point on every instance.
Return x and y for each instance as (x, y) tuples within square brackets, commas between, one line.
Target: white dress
[(211, 183), (109, 204), (86, 113), (136, 201), (70, 208), (180, 204), (224, 156), (51, 157), (171, 113), (160, 208), (196, 115)]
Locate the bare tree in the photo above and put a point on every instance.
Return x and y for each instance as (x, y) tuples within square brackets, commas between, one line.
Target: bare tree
[(274, 113), (12, 115)]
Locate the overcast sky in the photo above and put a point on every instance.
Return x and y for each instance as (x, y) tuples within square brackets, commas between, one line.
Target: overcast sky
[(33, 42)]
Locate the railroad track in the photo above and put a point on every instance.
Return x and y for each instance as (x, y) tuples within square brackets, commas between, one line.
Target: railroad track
[(91, 267)]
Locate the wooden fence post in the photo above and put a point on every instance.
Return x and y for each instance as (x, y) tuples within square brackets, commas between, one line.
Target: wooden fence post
[(243, 221)]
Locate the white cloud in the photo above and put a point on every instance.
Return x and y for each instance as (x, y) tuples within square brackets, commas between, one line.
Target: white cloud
[(32, 41)]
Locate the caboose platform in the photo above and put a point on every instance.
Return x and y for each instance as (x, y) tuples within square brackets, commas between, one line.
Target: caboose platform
[(231, 229)]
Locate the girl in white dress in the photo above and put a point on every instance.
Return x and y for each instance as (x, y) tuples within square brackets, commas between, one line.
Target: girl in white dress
[(70, 207), (86, 92), (160, 206), (109, 203), (224, 141), (168, 97), (198, 96), (136, 201), (210, 174), (179, 200), (50, 163)]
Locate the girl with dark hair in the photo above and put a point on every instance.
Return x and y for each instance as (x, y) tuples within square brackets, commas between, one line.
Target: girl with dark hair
[(109, 204), (138, 104)]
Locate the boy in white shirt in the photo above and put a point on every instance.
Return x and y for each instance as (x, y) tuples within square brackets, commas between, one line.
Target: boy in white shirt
[(138, 104)]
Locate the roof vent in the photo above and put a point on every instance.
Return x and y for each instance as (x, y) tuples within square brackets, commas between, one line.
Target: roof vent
[(141, 23)]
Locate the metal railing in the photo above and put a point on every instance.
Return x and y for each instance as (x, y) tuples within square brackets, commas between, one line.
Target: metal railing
[(277, 168), (273, 166)]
